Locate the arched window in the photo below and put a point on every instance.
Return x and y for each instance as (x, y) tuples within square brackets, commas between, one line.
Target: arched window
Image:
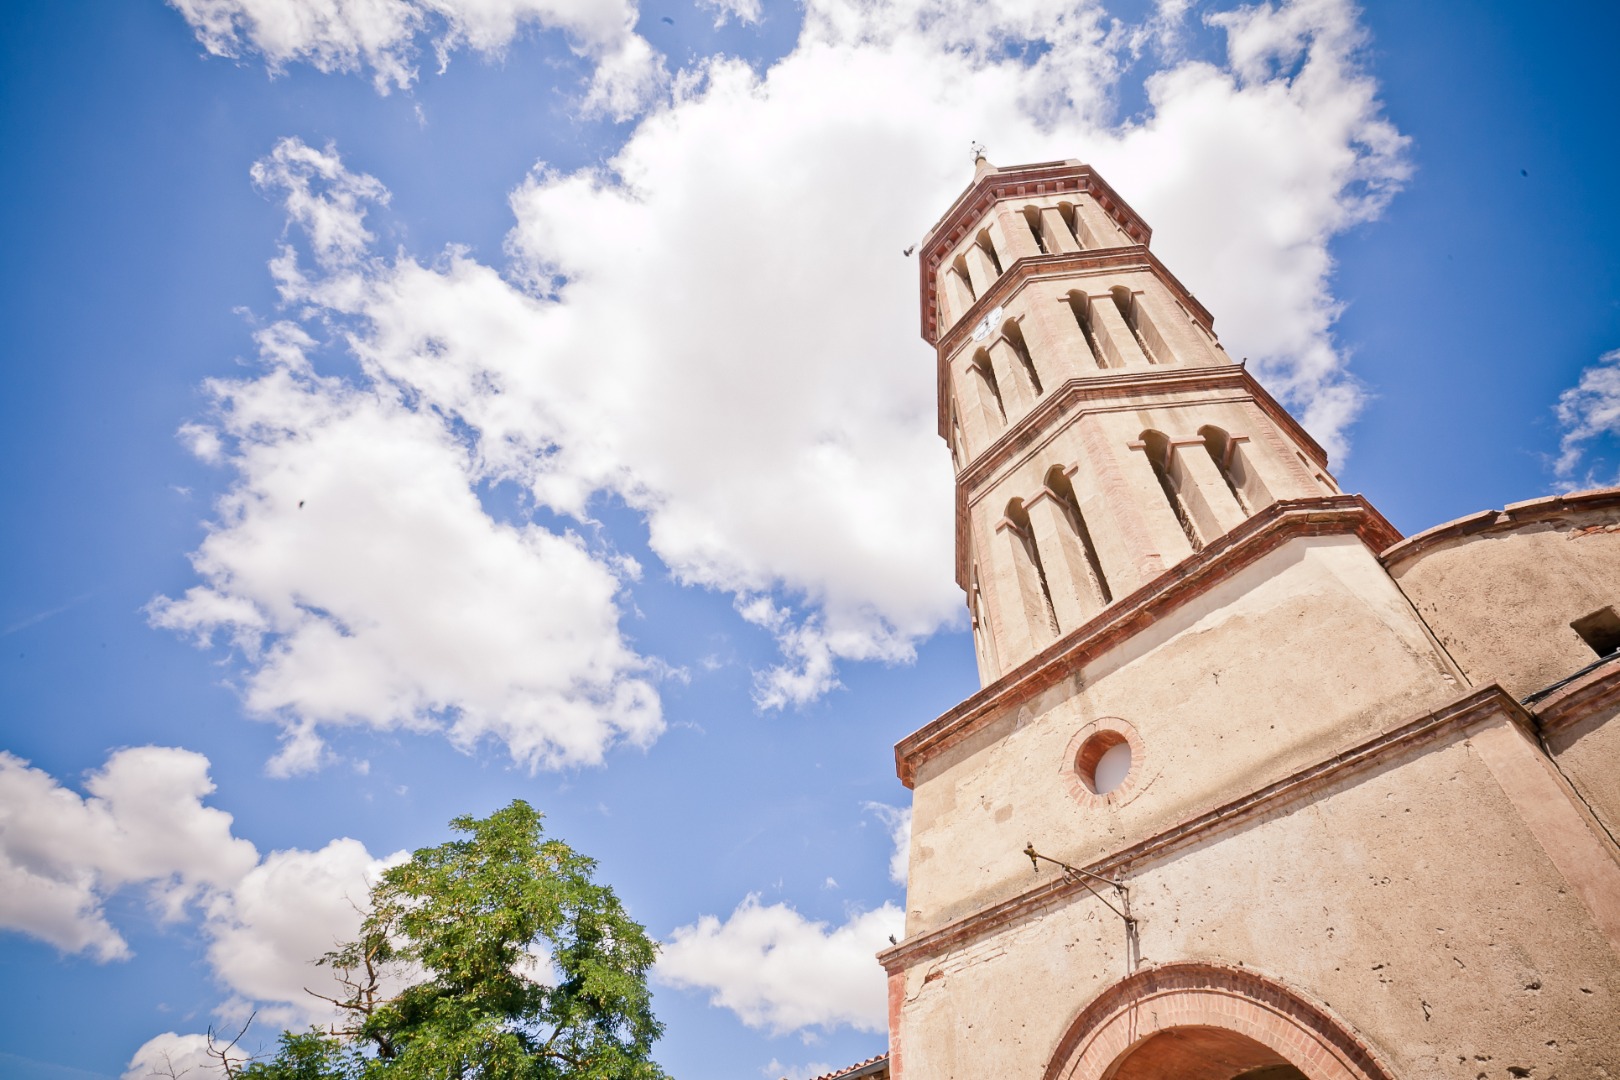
[(1015, 338), (987, 381), (1147, 338), (959, 268), (1032, 218), (989, 250), (1171, 481), (1071, 221), (1080, 305), (983, 639), (1247, 487), (958, 445), (1032, 585), (1090, 570)]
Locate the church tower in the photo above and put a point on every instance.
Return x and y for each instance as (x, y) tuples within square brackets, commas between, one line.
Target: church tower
[(1249, 775)]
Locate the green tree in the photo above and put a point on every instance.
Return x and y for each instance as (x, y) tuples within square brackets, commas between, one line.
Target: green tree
[(518, 967)]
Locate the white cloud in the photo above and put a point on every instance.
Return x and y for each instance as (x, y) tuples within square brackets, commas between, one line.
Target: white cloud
[(716, 327), (176, 1057), (294, 907), (776, 969), (353, 564), (897, 819), (778, 1071), (1586, 411), (744, 11), (143, 823), (383, 35)]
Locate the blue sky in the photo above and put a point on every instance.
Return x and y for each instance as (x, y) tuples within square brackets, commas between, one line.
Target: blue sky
[(593, 359)]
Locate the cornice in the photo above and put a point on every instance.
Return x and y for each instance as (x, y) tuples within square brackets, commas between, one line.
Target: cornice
[(1282, 521), (1512, 516), (1083, 394), (1034, 269), (1596, 688), (1461, 714), (1019, 181)]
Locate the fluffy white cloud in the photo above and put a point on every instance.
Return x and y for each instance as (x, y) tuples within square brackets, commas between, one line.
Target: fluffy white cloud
[(143, 823), (382, 35), (173, 1057), (715, 327), (1586, 411), (897, 819), (776, 969), (353, 563), (295, 906)]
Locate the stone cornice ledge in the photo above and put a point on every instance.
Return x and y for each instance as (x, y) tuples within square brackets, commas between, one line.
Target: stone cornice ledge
[(1548, 508), (1597, 688), (1465, 712), (1329, 515)]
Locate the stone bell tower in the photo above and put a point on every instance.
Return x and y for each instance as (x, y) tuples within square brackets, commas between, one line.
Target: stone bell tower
[(1057, 327), (1253, 788)]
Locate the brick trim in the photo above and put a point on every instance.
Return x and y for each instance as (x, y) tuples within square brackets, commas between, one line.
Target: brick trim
[(1513, 516), (1069, 768), (1473, 709), (1282, 521), (1210, 995)]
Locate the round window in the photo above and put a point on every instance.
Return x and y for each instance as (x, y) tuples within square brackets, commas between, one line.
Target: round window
[(1104, 761)]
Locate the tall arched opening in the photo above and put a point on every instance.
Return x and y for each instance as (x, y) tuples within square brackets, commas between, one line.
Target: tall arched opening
[(1206, 1022)]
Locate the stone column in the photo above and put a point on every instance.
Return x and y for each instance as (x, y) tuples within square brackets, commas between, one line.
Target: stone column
[(1215, 510), (980, 419), (1111, 501), (1185, 340), (1017, 395), (957, 296), (1114, 335), (1018, 611), (1055, 231), (1169, 541), (1096, 225), (1017, 241), (1063, 556), (980, 269), (1056, 342)]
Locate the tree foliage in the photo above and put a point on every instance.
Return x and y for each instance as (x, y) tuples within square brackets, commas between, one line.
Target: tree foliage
[(515, 964)]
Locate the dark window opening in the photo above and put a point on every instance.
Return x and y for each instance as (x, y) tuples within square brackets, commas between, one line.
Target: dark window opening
[(1600, 630)]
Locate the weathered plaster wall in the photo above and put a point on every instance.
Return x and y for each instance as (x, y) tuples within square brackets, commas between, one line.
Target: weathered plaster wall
[(1235, 689), (1588, 754), (1500, 589), (1410, 900)]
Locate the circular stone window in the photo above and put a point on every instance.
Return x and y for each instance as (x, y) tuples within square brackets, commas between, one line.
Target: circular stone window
[(1103, 764)]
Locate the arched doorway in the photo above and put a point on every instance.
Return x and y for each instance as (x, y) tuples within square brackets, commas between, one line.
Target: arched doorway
[(1207, 1022)]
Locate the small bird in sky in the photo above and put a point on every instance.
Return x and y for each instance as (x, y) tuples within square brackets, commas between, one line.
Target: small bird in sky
[(909, 250), (1524, 172), (669, 20), (300, 504), (892, 941)]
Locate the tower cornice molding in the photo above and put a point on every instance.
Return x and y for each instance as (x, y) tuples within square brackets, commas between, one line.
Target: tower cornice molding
[(1277, 524), (1021, 181), (1460, 716), (1100, 393), (1036, 269)]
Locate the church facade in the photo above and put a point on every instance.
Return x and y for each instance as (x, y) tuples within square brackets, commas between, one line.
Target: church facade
[(1255, 787)]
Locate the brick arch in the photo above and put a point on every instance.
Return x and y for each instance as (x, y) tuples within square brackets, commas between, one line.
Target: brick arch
[(1190, 997)]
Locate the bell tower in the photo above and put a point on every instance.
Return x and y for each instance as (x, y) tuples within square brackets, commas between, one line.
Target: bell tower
[(1253, 786), (1099, 431)]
